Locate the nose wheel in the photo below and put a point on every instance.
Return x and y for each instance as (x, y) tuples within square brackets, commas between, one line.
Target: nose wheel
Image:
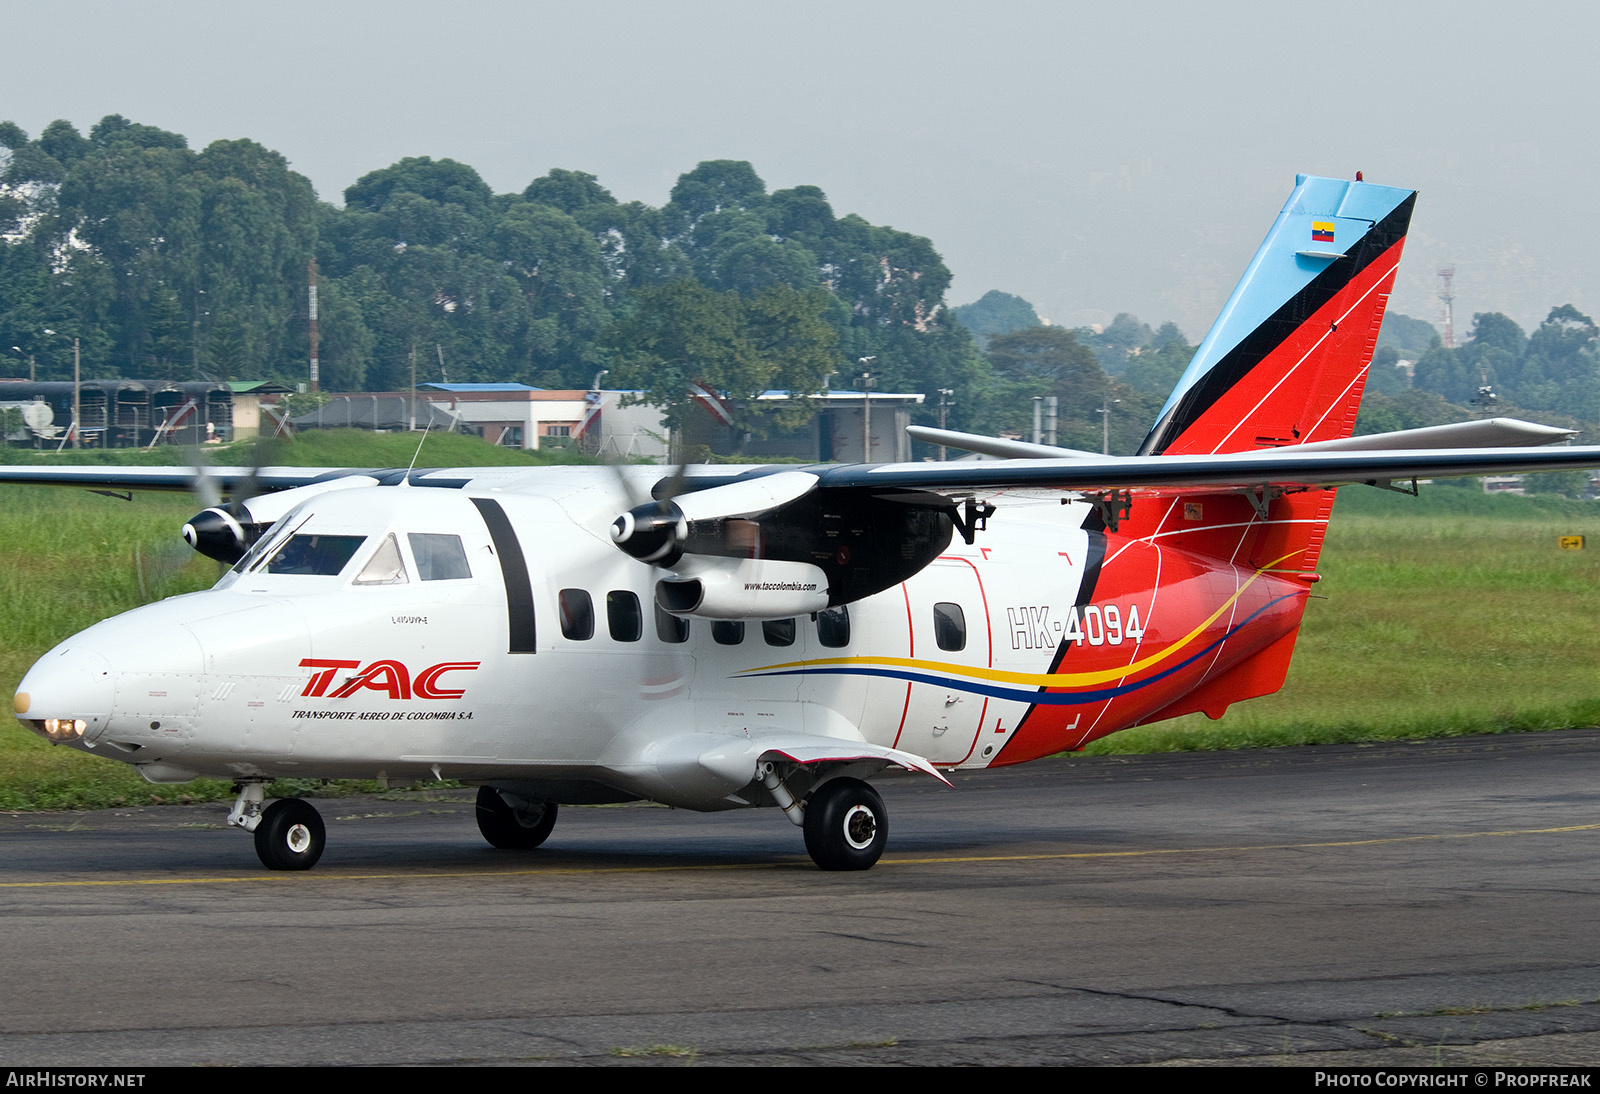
[(290, 836), (846, 825)]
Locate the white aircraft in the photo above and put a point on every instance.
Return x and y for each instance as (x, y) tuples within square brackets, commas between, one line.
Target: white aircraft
[(769, 636)]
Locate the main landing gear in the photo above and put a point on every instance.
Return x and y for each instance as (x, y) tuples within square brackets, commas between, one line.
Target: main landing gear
[(846, 825), (512, 823)]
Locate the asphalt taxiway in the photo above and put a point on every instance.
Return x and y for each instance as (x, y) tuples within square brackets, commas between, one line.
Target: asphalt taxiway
[(1398, 903)]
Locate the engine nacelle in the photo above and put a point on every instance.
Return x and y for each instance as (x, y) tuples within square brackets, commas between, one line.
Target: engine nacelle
[(726, 544), (743, 588), (225, 533)]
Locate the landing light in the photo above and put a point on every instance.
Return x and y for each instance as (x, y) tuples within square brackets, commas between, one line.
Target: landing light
[(62, 729)]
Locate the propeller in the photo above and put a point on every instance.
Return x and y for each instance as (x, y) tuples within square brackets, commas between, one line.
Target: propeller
[(226, 530), (156, 566), (657, 531)]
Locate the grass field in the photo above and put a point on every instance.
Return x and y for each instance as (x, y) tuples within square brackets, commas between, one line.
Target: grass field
[(1446, 614)]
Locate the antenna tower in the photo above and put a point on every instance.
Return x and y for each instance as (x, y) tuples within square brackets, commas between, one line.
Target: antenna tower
[(1447, 298)]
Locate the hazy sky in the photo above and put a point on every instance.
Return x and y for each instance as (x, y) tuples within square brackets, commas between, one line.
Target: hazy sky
[(1119, 157)]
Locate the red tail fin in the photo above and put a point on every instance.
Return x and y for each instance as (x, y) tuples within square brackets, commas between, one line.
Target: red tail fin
[(1287, 359)]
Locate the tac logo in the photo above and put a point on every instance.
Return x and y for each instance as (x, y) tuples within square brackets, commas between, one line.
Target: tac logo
[(390, 677)]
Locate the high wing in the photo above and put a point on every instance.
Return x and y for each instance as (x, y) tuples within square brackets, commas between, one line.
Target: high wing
[(1373, 459), (1297, 465)]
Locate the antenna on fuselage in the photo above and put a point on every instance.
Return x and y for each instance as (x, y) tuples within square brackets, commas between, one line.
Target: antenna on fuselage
[(406, 481)]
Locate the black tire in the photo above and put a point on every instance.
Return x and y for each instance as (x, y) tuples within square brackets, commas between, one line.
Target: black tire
[(846, 825), (514, 829), (290, 835)]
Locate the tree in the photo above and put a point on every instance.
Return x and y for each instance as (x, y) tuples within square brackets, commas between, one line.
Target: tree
[(995, 313), (1385, 376), (1559, 369), (569, 191), (795, 347), (1411, 337), (444, 181), (801, 214), (1042, 361), (684, 333), (1444, 372), (562, 275), (678, 334), (1114, 346), (1491, 330), (715, 185), (1157, 369)]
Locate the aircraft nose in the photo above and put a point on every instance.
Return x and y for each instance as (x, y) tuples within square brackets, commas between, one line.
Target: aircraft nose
[(67, 695)]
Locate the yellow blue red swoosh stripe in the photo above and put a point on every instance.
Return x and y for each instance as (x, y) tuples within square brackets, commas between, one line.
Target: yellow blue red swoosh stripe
[(1084, 687)]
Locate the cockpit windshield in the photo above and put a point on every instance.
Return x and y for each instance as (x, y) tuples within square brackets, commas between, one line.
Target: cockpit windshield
[(319, 555)]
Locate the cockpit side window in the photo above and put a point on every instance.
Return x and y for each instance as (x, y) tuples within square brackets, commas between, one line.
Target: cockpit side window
[(313, 554), (439, 557), (386, 567)]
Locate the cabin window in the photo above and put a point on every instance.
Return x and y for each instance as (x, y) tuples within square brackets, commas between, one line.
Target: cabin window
[(833, 627), (623, 617), (323, 556), (949, 626), (577, 614), (728, 632), (778, 632), (671, 628), (439, 557)]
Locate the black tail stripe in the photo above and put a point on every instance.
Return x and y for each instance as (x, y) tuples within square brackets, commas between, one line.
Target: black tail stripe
[(1095, 525), (514, 569)]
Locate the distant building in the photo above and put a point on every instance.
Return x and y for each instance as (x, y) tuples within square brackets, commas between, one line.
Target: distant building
[(507, 414), (837, 432), (121, 413), (518, 416), (253, 399)]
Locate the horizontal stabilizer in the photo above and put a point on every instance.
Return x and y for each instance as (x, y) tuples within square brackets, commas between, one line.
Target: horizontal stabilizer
[(1493, 433), (995, 446)]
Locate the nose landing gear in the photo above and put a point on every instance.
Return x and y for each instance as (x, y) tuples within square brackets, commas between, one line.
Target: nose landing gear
[(289, 833)]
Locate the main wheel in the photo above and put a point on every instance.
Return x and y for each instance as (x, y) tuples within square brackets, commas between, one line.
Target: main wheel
[(514, 829), (846, 825), (290, 835)]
